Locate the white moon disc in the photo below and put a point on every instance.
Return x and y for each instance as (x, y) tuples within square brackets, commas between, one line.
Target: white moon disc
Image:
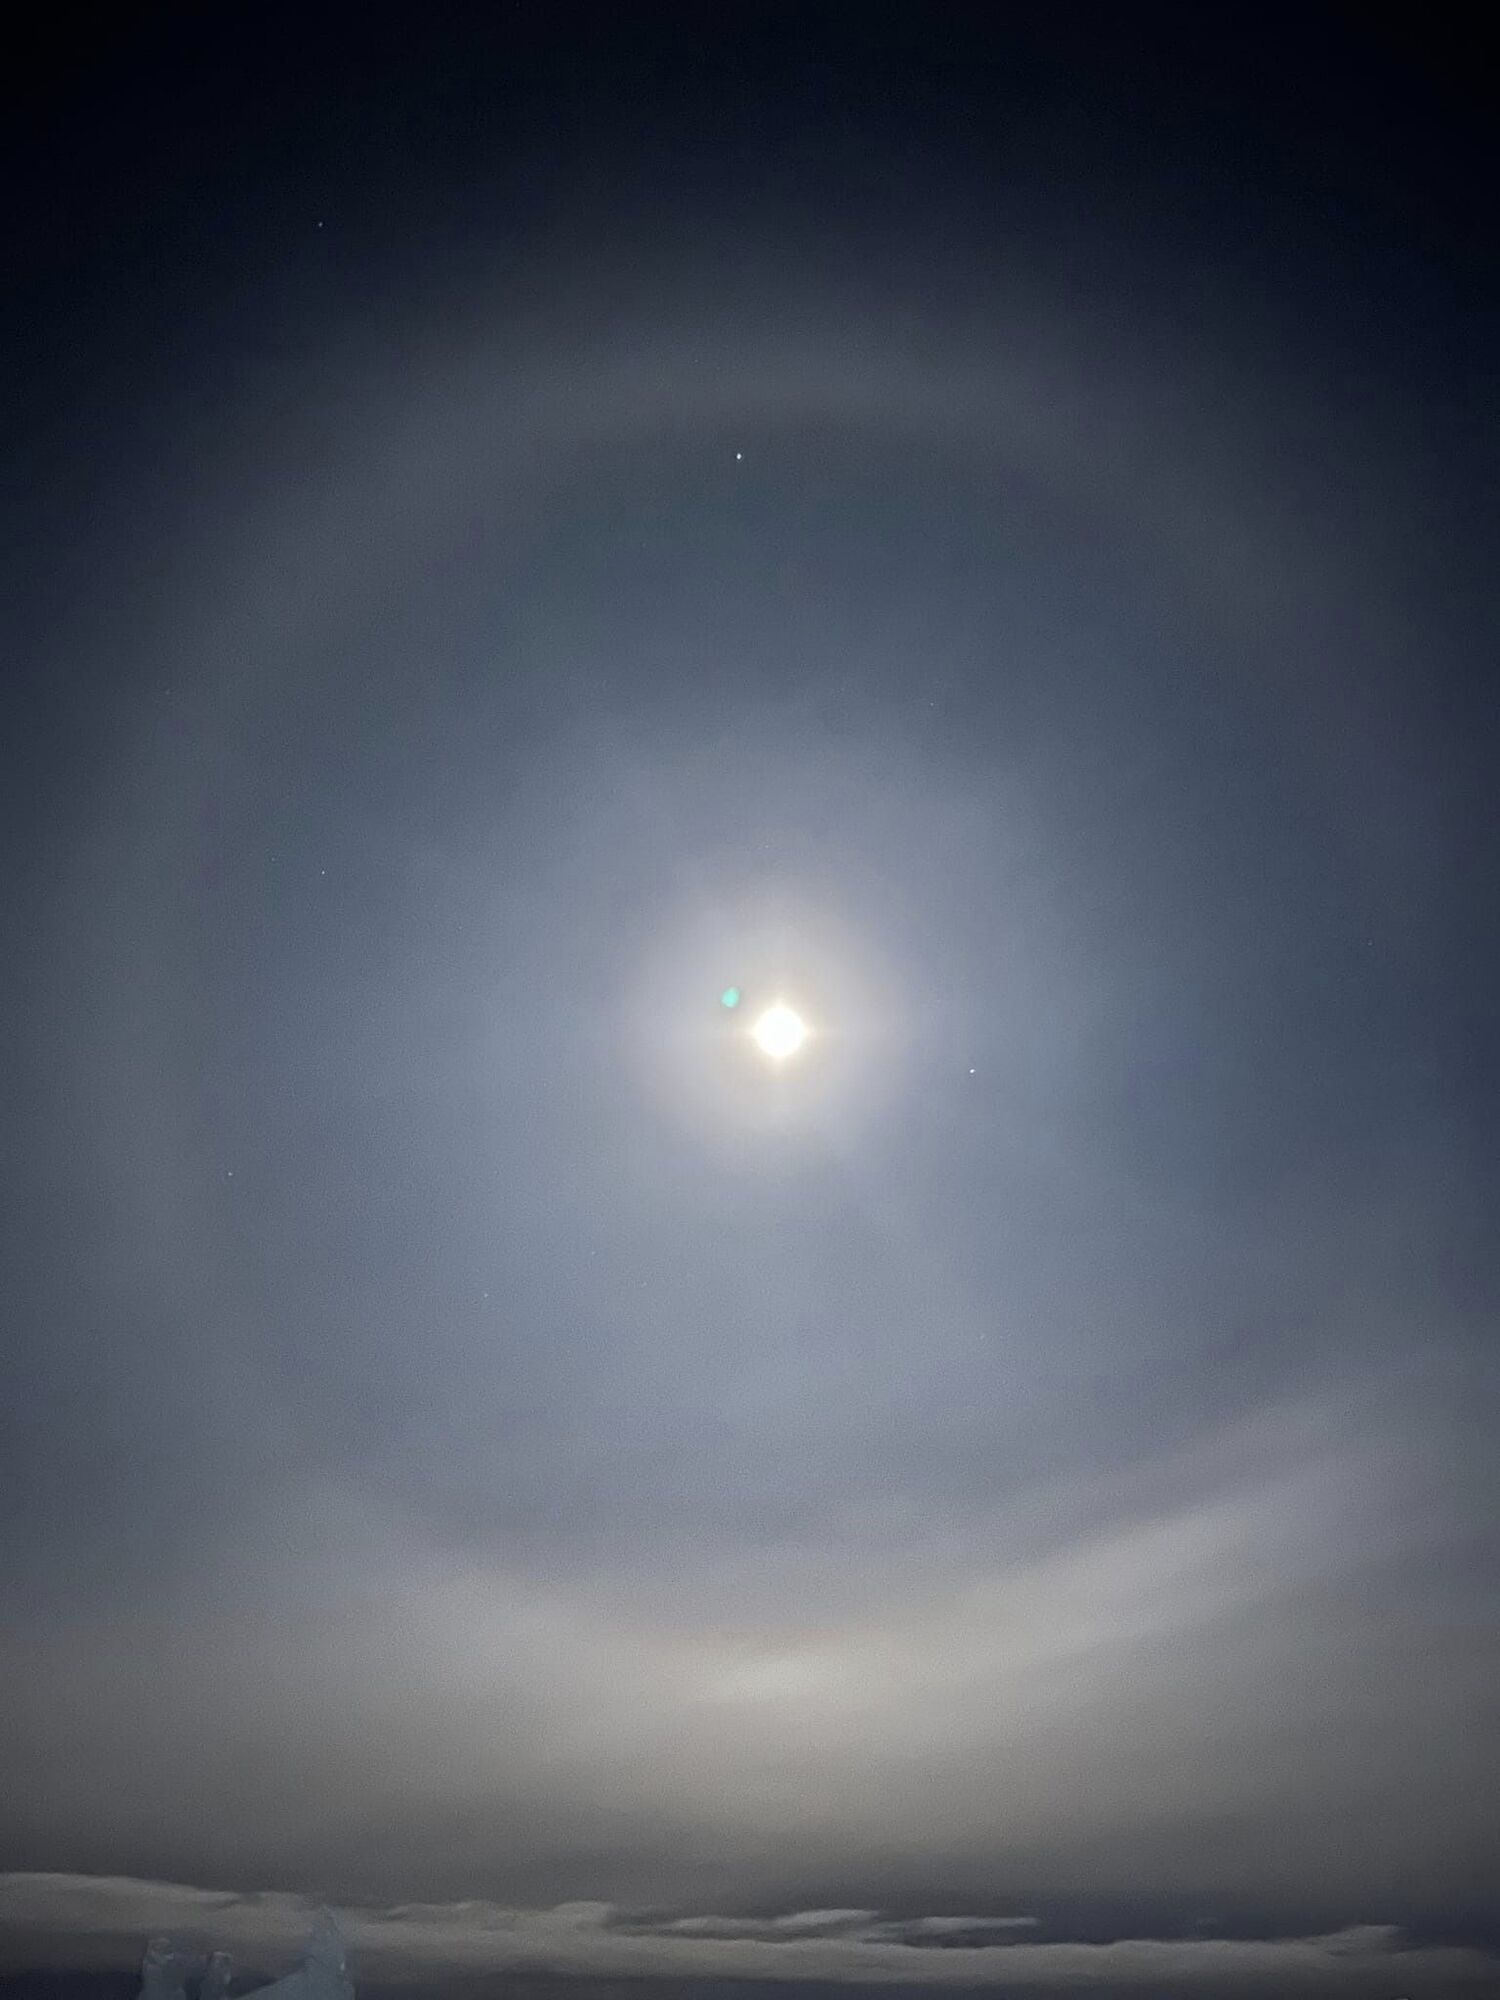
[(780, 1032)]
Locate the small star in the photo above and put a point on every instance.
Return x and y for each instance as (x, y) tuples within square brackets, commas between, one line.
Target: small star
[(320, 225), (739, 455), (971, 1072), (229, 1173)]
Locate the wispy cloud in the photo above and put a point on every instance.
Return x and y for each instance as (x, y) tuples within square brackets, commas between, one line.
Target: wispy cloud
[(76, 1918), (865, 1925)]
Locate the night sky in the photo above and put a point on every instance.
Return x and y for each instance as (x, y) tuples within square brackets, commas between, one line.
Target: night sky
[(979, 526)]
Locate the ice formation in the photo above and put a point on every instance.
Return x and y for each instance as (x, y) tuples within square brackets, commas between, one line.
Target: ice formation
[(322, 1975)]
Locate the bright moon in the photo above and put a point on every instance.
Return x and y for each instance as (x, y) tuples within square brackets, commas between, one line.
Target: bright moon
[(780, 1032)]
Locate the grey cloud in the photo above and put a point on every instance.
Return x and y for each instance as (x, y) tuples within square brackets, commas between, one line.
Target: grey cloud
[(954, 1927), (864, 1925), (800, 1923), (107, 1918)]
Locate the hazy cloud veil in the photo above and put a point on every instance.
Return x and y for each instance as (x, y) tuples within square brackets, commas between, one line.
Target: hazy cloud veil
[(1007, 1499)]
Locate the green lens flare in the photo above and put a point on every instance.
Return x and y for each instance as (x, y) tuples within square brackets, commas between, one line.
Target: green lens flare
[(730, 997)]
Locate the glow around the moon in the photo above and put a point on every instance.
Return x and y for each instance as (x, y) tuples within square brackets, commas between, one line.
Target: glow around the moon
[(780, 1032)]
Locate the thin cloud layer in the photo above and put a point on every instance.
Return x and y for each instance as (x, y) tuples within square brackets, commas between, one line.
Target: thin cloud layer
[(470, 1428), (865, 1924), (71, 1918)]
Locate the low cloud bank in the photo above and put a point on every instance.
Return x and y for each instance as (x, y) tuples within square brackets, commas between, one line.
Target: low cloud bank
[(73, 1919)]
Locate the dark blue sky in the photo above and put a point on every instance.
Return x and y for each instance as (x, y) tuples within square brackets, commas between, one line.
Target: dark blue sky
[(983, 529)]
